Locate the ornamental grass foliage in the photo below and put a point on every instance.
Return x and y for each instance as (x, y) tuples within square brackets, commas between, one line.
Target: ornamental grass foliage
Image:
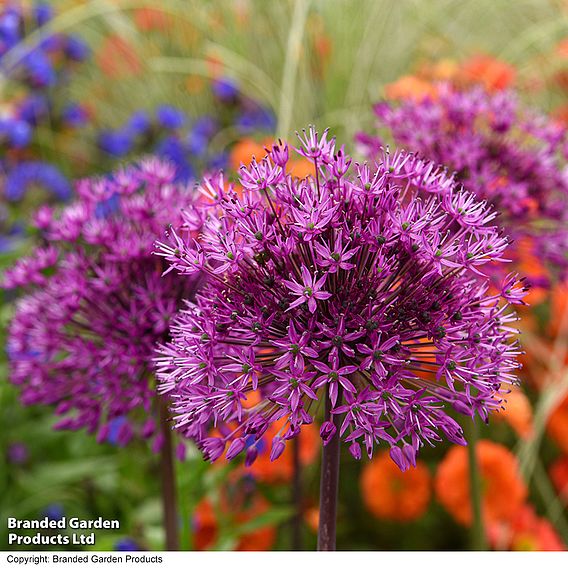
[(94, 303), (363, 283), (502, 151)]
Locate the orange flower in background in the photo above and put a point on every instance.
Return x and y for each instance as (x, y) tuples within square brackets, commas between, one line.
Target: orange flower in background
[(493, 74), (504, 491), (322, 45), (391, 494), (311, 517), (267, 471), (117, 58), (410, 87), (559, 476), (152, 19), (244, 151), (194, 84), (206, 526), (442, 70), (485, 70), (518, 413), (526, 532), (562, 48), (561, 115), (559, 308), (561, 79), (557, 425), (301, 167), (531, 266), (215, 65)]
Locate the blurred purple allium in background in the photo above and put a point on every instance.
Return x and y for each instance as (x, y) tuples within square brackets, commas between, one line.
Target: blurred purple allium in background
[(95, 303), (365, 280), (505, 153)]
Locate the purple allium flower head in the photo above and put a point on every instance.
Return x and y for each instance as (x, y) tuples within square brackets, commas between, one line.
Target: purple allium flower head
[(504, 153), (96, 302), (365, 281)]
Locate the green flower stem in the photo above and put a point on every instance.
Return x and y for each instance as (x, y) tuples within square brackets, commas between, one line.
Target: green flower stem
[(167, 469), (329, 485)]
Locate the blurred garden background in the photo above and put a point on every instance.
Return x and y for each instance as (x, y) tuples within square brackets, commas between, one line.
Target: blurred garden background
[(87, 86)]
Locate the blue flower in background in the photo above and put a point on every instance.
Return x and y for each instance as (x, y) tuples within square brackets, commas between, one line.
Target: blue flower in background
[(16, 132), (205, 126), (20, 134), (200, 135), (76, 49), (219, 161), (54, 512), (119, 431), (10, 238), (126, 544), (34, 108), (51, 43), (74, 115), (170, 117), (39, 70), (225, 89), (106, 208), (256, 118), (139, 123), (9, 29), (29, 174), (115, 142), (43, 13), (173, 149)]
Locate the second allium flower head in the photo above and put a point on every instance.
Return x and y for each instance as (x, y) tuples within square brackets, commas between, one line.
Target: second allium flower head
[(95, 303), (363, 284)]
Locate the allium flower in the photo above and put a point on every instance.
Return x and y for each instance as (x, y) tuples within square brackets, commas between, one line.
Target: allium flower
[(506, 154), (83, 336), (365, 281), (518, 413), (265, 471)]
